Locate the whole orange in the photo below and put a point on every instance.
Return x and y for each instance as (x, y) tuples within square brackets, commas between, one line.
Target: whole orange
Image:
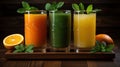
[(104, 37)]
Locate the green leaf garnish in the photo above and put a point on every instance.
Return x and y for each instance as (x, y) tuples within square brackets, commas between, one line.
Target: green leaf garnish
[(23, 48), (89, 9), (75, 7), (102, 47), (96, 10), (21, 10), (60, 4), (26, 7), (53, 6), (81, 8), (48, 6), (109, 48), (16, 51), (33, 8)]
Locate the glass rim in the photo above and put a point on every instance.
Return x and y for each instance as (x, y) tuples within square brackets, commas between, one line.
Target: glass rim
[(58, 10), (35, 10), (78, 11)]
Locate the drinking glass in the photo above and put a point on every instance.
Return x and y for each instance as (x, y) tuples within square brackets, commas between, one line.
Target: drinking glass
[(84, 28), (36, 28), (60, 28)]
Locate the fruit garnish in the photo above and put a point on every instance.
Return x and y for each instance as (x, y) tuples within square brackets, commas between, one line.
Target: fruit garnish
[(81, 8), (26, 7), (12, 40), (53, 6), (22, 48), (104, 38), (102, 47), (104, 43)]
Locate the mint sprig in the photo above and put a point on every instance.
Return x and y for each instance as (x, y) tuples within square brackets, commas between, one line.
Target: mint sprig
[(25, 7), (102, 47), (89, 8), (23, 48), (53, 6), (75, 7), (81, 8)]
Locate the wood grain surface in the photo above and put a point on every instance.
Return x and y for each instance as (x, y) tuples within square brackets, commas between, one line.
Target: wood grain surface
[(59, 63)]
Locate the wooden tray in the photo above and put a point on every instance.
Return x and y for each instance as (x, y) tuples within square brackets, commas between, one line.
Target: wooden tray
[(61, 55)]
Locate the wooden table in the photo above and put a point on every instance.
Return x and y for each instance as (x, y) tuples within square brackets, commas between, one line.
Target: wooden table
[(59, 63)]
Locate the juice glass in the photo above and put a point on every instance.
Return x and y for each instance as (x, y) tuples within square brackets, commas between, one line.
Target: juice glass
[(60, 28), (84, 28), (36, 28)]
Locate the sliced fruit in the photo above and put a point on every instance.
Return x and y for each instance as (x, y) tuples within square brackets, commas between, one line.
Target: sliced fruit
[(104, 37), (12, 40)]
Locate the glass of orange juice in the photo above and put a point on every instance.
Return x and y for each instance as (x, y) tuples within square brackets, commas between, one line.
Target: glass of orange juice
[(84, 28), (36, 28)]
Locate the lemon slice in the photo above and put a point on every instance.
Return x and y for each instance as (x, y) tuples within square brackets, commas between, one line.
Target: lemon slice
[(12, 40)]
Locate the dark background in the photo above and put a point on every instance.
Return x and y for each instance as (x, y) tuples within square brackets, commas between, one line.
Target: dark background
[(108, 20)]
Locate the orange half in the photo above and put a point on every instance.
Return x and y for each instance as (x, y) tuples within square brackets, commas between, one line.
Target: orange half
[(12, 40)]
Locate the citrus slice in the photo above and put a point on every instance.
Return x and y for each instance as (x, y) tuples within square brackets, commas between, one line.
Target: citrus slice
[(12, 40)]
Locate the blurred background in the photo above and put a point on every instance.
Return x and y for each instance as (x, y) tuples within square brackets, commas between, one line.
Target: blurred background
[(108, 20)]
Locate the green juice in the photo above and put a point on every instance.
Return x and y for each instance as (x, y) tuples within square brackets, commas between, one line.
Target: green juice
[(60, 29)]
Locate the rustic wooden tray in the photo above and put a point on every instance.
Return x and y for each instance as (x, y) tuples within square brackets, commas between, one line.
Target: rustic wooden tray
[(72, 54)]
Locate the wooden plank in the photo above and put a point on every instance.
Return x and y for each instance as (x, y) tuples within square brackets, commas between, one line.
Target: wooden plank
[(74, 63), (23, 63), (52, 64), (60, 55), (101, 64)]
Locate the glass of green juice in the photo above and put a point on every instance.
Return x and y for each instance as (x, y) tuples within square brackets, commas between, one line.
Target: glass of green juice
[(60, 29)]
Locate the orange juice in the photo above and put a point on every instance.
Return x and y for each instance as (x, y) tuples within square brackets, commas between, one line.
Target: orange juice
[(84, 30), (35, 29)]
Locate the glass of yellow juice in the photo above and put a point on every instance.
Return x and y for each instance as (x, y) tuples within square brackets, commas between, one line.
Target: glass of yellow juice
[(84, 28), (36, 28)]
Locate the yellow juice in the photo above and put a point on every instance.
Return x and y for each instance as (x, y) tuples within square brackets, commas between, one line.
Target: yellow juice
[(84, 30)]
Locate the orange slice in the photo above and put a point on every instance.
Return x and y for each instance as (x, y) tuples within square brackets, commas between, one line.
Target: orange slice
[(12, 40)]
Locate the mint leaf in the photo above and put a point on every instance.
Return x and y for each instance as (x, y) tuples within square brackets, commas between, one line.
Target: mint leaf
[(53, 6), (16, 51), (17, 47), (29, 47), (96, 10), (48, 6), (29, 51), (33, 8), (60, 4), (25, 5), (21, 10), (81, 6), (89, 8), (75, 7), (97, 47), (102, 46), (22, 47), (109, 48)]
